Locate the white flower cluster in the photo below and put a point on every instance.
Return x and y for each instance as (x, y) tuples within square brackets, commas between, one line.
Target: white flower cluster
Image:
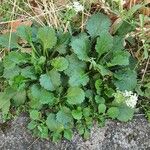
[(130, 98), (76, 6)]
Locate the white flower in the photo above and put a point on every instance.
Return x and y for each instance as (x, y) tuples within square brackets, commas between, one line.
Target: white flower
[(130, 98), (77, 7), (127, 93)]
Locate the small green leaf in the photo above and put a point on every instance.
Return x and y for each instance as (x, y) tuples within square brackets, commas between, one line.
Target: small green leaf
[(35, 115), (43, 131), (97, 24), (98, 86), (47, 37), (60, 63), (109, 92), (104, 43), (86, 112), (80, 128), (101, 108), (56, 136), (99, 99), (81, 46), (75, 95), (32, 125), (77, 114), (113, 112), (68, 134), (119, 98), (86, 134)]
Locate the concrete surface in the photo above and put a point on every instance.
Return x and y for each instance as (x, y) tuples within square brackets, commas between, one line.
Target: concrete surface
[(134, 135)]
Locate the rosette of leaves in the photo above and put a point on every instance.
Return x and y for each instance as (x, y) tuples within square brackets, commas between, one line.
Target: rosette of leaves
[(67, 80)]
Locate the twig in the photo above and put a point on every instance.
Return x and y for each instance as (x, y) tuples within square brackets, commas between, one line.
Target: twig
[(145, 69), (33, 143)]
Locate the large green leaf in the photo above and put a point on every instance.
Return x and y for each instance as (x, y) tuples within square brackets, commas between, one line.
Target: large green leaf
[(35, 91), (125, 114), (113, 112), (4, 103), (62, 43), (50, 81), (75, 95), (47, 37), (104, 43), (118, 43), (60, 63), (120, 58), (10, 73), (53, 124), (46, 97), (75, 65), (42, 95), (8, 41), (19, 98), (64, 116), (125, 28), (78, 78), (81, 46), (125, 79), (14, 58), (25, 32), (29, 72), (5, 100), (97, 24)]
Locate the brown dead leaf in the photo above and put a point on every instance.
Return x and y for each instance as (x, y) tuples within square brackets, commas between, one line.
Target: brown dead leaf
[(15, 24), (145, 11)]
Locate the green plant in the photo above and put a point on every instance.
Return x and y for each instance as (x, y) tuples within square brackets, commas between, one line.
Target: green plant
[(68, 80)]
